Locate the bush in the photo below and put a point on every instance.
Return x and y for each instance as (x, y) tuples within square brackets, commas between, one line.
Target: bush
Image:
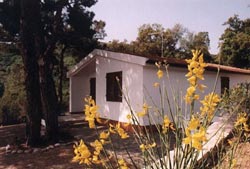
[(237, 99), (13, 101)]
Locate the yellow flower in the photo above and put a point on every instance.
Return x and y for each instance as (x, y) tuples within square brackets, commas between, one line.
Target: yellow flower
[(122, 164), (159, 74), (190, 90), (241, 119), (230, 142), (192, 80), (234, 161), (82, 153), (144, 111), (96, 160), (117, 129), (167, 124), (201, 87), (195, 71), (91, 111), (193, 64), (98, 146), (156, 84), (194, 123), (112, 128), (187, 99), (188, 138), (141, 114), (196, 97), (189, 74), (129, 117), (241, 122), (199, 73), (91, 123), (209, 104), (195, 137), (246, 127), (144, 147), (100, 121), (196, 144), (122, 133), (104, 135), (200, 135)]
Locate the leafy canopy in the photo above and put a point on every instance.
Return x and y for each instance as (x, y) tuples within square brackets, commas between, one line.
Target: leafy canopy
[(235, 42), (155, 40)]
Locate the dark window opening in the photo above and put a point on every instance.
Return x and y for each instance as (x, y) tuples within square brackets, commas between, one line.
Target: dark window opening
[(93, 88), (224, 85), (114, 86)]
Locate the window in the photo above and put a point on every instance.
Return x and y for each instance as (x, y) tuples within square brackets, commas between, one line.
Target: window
[(224, 85), (93, 88), (114, 86)]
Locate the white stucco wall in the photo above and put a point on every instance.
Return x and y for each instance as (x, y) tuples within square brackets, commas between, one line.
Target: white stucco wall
[(138, 80), (132, 87), (80, 87), (234, 79), (175, 88)]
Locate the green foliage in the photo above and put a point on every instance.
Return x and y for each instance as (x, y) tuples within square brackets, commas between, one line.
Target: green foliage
[(8, 57), (237, 99), (235, 42), (199, 41), (118, 46), (154, 40), (12, 103), (65, 27), (10, 17), (11, 84), (69, 61)]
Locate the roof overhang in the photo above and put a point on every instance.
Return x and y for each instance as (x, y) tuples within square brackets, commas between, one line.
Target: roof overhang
[(140, 60), (133, 59), (210, 66)]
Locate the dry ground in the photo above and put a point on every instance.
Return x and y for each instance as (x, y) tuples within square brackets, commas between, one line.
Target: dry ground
[(60, 157), (57, 158), (242, 158)]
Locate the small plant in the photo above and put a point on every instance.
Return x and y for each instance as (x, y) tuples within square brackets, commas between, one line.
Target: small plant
[(174, 143)]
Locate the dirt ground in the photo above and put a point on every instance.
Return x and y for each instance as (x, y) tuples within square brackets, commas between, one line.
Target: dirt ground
[(242, 158), (57, 158), (60, 157)]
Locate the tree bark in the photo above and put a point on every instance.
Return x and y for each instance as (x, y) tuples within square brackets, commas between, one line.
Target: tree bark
[(47, 85), (30, 9), (61, 75), (48, 95)]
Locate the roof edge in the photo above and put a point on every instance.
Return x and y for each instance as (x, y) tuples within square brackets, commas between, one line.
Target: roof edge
[(107, 54), (80, 64), (141, 60)]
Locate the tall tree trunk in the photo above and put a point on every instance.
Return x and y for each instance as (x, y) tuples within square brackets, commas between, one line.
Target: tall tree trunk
[(29, 27), (49, 97), (61, 75), (47, 84)]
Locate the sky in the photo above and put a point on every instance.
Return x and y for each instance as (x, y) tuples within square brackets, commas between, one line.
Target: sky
[(124, 17)]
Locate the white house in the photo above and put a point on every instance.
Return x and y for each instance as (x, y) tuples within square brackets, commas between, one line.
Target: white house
[(97, 73)]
